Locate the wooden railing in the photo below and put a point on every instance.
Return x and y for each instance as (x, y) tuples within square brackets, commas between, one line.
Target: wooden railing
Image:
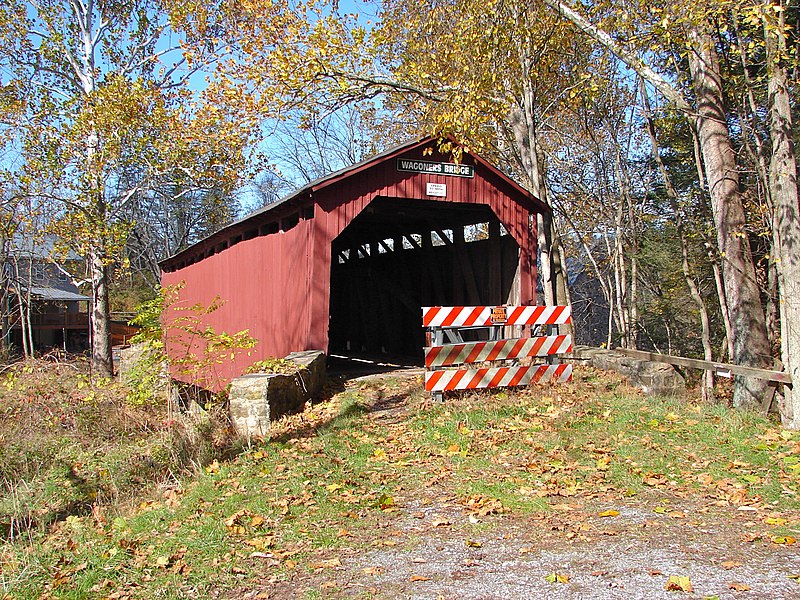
[(55, 320)]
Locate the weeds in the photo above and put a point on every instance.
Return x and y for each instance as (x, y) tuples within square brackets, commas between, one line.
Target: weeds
[(68, 446)]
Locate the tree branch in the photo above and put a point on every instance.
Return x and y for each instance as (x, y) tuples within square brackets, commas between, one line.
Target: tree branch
[(630, 59)]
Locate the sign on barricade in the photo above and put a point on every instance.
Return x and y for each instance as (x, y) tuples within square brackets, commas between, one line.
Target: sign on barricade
[(450, 321)]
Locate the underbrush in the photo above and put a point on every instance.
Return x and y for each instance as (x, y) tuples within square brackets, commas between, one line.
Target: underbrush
[(70, 447)]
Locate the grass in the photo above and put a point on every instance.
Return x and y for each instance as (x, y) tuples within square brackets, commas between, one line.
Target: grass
[(350, 471)]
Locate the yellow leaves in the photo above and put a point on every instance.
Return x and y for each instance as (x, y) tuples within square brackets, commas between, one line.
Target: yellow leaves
[(455, 450), (603, 463), (257, 521), (784, 540), (463, 429), (556, 577), (473, 544), (243, 521), (162, 561), (482, 505), (609, 513), (417, 578), (385, 502), (679, 583), (261, 543)]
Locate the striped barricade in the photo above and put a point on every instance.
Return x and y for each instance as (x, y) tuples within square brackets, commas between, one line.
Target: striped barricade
[(470, 379), (439, 356), (485, 316)]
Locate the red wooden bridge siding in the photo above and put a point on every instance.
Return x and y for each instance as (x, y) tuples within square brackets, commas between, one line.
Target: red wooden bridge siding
[(277, 283)]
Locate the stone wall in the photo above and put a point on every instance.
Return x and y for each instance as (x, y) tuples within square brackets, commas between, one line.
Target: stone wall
[(257, 399), (654, 378)]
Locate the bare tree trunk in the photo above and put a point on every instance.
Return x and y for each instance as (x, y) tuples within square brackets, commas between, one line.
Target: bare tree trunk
[(22, 288), (562, 255), (711, 252), (620, 280), (523, 126), (749, 343), (629, 289), (694, 292), (786, 221), (605, 283), (102, 361)]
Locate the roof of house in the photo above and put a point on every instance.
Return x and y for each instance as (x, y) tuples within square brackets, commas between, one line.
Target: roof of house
[(55, 294)]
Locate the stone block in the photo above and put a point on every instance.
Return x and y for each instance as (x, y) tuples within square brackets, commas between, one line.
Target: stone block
[(259, 398), (654, 378)]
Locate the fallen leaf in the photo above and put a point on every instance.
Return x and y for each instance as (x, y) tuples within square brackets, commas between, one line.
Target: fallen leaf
[(609, 513), (419, 578), (679, 583), (784, 540), (731, 564), (325, 564), (738, 587), (557, 578), (372, 571), (473, 544), (778, 521), (385, 502), (257, 521)]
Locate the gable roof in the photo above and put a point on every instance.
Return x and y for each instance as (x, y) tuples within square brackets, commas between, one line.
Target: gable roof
[(302, 197)]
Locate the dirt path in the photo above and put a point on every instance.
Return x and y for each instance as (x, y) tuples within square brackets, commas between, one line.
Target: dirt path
[(435, 551)]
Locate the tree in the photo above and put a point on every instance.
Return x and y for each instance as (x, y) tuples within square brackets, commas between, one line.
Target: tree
[(750, 343), (111, 112)]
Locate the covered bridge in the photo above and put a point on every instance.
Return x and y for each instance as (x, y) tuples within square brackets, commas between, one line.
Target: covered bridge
[(344, 264)]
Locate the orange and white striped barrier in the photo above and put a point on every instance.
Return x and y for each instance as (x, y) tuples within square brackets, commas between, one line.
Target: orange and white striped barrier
[(485, 316), (474, 352), (469, 379), (439, 356)]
